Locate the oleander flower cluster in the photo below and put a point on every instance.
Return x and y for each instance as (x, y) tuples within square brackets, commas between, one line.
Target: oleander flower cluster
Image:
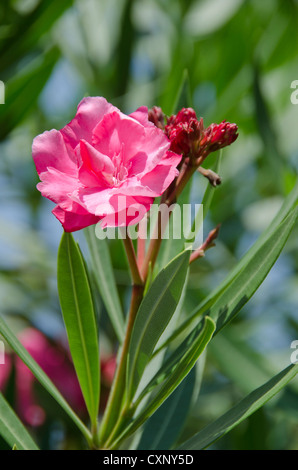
[(109, 167)]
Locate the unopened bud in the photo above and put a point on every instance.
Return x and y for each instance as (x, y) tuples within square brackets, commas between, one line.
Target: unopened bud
[(184, 131), (218, 136), (156, 116)]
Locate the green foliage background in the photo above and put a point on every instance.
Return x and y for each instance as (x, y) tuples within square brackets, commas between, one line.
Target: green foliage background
[(241, 58)]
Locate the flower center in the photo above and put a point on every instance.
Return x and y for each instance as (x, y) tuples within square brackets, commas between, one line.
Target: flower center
[(120, 172)]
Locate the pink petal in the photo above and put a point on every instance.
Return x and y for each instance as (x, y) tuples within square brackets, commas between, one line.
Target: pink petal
[(117, 131), (159, 179), (97, 168), (94, 159), (50, 150), (141, 115), (171, 159), (129, 213), (96, 200), (89, 112), (71, 221), (137, 164), (155, 145), (5, 370), (58, 187)]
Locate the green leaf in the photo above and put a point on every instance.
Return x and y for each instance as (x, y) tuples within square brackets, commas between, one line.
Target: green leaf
[(241, 411), (155, 312), (23, 90), (275, 160), (30, 28), (183, 98), (79, 318), (246, 368), (163, 428), (240, 364), (12, 429), (39, 374), (246, 283), (104, 278), (181, 361), (124, 49), (289, 203), (249, 271)]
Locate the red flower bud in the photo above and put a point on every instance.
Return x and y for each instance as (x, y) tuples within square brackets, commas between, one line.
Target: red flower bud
[(218, 136), (184, 131), (185, 115), (156, 116)]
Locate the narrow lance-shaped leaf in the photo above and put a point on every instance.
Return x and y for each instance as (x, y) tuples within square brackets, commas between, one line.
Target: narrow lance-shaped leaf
[(156, 310), (23, 89), (79, 317), (182, 359), (12, 429), (244, 286), (30, 28), (163, 428), (105, 281), (246, 368), (249, 272), (241, 411), (175, 369), (183, 98), (39, 374)]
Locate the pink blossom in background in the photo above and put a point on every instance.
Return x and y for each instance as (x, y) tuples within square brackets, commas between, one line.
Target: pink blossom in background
[(55, 361), (5, 370), (102, 156)]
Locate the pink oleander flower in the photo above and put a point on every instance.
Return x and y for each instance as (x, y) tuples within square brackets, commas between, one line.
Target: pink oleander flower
[(103, 166)]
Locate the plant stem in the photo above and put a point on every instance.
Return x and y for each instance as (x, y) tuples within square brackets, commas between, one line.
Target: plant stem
[(181, 183), (141, 249), (116, 410), (132, 260), (117, 395), (155, 242)]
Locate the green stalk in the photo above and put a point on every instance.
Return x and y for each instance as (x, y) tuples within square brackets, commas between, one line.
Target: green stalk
[(117, 395)]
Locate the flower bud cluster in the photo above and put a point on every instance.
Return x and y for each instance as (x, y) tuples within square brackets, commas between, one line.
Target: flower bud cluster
[(189, 137)]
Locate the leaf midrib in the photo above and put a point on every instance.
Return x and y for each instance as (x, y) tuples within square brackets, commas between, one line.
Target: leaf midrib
[(148, 321), (21, 440), (80, 325), (116, 310)]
